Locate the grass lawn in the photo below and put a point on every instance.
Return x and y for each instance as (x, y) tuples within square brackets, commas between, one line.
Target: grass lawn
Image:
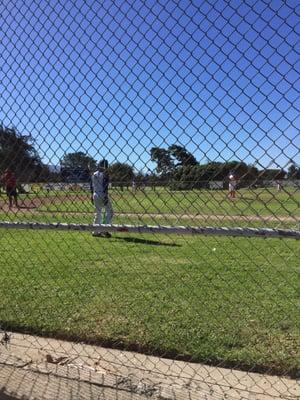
[(259, 202), (77, 208), (230, 300)]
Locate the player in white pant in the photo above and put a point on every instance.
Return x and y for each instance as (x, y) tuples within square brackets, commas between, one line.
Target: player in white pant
[(232, 186), (100, 198)]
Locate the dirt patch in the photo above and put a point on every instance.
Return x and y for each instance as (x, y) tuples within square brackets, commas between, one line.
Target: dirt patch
[(38, 201)]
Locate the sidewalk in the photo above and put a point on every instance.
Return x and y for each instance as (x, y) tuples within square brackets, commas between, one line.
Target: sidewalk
[(37, 368)]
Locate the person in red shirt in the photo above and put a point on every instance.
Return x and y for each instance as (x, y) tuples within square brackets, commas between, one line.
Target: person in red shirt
[(10, 182)]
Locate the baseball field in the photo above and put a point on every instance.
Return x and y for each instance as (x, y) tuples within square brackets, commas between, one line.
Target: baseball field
[(219, 300)]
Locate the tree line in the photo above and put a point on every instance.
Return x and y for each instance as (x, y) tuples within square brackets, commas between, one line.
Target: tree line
[(175, 166), (178, 166)]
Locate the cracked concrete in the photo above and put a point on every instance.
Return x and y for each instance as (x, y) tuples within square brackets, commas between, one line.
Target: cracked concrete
[(33, 368)]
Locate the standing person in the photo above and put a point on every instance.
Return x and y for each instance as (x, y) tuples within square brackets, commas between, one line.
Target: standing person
[(133, 184), (232, 186), (10, 183), (279, 186), (100, 198)]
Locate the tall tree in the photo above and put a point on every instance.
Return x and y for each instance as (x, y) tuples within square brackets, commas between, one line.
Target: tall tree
[(293, 171), (121, 173), (183, 157), (272, 174), (163, 159), (18, 153), (78, 161)]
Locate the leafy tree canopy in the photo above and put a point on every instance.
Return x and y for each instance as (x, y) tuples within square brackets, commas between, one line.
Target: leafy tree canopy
[(293, 171), (163, 160), (182, 156), (120, 173), (18, 154), (78, 161)]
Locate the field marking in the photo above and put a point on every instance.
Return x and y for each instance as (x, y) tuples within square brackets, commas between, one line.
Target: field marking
[(214, 217)]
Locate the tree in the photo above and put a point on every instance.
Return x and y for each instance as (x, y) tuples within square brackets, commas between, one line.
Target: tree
[(76, 167), (252, 174), (199, 176), (214, 171), (184, 158), (78, 160), (120, 173), (238, 168), (168, 160), (18, 154), (190, 177), (163, 159), (293, 171), (272, 174)]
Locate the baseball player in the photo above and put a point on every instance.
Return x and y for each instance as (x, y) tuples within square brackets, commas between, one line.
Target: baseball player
[(232, 186), (100, 198)]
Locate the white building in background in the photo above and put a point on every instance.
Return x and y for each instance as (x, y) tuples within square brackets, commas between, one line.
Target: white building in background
[(216, 185)]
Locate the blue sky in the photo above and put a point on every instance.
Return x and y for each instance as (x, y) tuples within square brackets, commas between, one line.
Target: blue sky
[(116, 78)]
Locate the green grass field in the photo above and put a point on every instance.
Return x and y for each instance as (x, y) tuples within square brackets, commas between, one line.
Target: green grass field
[(162, 206), (211, 299), (260, 202), (224, 300)]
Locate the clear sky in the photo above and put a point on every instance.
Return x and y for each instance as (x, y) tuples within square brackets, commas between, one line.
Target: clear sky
[(116, 78)]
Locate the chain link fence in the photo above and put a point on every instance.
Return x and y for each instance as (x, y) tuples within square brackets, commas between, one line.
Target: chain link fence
[(149, 199)]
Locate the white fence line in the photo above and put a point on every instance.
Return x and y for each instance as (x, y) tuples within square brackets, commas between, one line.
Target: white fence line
[(213, 185), (181, 230)]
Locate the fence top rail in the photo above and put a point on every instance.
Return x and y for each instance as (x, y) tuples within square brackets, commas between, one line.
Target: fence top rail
[(162, 229)]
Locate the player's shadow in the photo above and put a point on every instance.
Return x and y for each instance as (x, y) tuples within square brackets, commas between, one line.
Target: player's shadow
[(145, 241)]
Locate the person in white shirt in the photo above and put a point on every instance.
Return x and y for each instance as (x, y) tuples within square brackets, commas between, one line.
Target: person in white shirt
[(232, 186), (100, 198)]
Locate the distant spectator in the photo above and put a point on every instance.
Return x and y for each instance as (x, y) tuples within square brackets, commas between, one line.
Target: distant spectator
[(10, 183), (133, 184)]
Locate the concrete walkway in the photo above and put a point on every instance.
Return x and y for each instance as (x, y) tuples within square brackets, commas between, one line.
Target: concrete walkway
[(37, 368)]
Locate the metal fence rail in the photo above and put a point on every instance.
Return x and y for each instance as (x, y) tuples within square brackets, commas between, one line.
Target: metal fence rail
[(179, 230)]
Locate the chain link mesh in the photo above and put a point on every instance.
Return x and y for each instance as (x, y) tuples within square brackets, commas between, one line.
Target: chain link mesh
[(163, 136)]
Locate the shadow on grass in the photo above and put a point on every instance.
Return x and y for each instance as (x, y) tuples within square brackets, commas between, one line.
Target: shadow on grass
[(145, 241)]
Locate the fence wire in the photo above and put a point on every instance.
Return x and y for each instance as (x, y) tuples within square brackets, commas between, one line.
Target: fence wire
[(150, 152)]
